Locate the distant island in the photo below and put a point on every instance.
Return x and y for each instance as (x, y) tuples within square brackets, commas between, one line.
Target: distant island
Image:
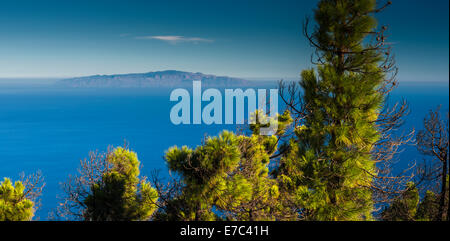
[(168, 78)]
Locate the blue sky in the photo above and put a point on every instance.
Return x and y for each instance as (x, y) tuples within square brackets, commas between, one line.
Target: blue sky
[(259, 39)]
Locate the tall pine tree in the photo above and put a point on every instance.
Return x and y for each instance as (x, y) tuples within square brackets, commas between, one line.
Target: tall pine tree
[(329, 169)]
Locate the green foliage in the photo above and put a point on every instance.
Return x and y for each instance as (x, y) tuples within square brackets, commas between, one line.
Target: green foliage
[(14, 206), (120, 195), (328, 171), (408, 208), (428, 207), (227, 178), (403, 208)]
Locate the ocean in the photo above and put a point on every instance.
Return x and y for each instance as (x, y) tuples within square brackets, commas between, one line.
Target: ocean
[(52, 129)]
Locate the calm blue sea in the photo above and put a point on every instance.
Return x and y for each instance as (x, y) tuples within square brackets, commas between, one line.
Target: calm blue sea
[(51, 129)]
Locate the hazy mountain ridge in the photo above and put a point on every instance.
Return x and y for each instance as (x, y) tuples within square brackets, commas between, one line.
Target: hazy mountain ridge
[(168, 78)]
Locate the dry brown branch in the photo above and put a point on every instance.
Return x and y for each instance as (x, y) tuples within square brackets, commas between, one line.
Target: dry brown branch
[(433, 142), (34, 184), (78, 187)]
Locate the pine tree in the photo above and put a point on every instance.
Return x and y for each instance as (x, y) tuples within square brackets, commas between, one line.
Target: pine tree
[(405, 207), (14, 206), (428, 208), (227, 178), (328, 170), (408, 208), (121, 195), (109, 189)]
